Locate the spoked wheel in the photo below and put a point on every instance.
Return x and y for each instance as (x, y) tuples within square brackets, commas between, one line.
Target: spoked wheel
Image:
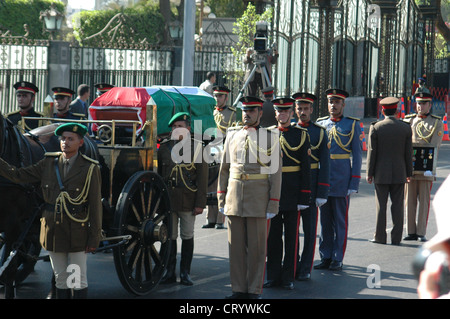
[(143, 211)]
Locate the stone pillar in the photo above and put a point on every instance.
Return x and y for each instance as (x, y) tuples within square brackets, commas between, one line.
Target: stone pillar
[(58, 65)]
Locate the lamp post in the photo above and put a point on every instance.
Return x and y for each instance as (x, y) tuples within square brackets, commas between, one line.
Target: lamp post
[(176, 30), (52, 20)]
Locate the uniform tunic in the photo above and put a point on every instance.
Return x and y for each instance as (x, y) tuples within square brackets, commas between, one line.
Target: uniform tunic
[(345, 174), (427, 131), (320, 186), (59, 231), (249, 188), (16, 118), (295, 190)]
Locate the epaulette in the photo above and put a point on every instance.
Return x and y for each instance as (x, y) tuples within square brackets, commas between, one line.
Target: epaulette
[(300, 128), (353, 118), (11, 113), (89, 159), (232, 108), (435, 116), (323, 118), (41, 114), (318, 125), (410, 115), (53, 154), (234, 128), (374, 122), (271, 127), (79, 114)]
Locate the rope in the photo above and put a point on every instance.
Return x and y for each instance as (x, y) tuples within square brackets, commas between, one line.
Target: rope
[(421, 127), (284, 144), (64, 197), (178, 169), (334, 134), (315, 147)]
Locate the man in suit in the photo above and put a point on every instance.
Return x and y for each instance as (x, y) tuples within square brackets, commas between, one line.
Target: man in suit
[(25, 95), (345, 143), (389, 166), (427, 132), (295, 196), (320, 180), (79, 105), (249, 194), (187, 180), (62, 97)]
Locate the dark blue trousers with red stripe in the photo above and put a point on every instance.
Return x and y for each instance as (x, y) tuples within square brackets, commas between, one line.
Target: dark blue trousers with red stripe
[(334, 223)]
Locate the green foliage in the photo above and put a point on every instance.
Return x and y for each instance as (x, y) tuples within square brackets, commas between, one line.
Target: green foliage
[(226, 8), (133, 26), (15, 13)]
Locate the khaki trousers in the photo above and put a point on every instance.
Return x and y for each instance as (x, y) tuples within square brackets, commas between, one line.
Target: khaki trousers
[(417, 190), (186, 220), (212, 214), (247, 240), (74, 276)]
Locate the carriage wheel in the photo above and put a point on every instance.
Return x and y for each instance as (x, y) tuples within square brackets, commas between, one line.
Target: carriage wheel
[(143, 211)]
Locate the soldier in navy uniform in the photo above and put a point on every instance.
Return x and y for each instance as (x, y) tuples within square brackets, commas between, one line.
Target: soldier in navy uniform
[(25, 94), (320, 180), (295, 195), (63, 98), (345, 142)]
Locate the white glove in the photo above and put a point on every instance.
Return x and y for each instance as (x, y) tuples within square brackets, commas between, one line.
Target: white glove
[(351, 191), (302, 207), (428, 173), (270, 215), (320, 202)]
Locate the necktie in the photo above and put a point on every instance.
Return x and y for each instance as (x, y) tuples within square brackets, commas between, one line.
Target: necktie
[(66, 167)]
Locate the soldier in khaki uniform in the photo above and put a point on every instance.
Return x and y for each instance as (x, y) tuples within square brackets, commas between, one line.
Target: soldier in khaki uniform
[(427, 131), (225, 117), (72, 218), (187, 178), (249, 194)]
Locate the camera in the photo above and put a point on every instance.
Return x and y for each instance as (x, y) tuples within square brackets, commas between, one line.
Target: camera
[(261, 37)]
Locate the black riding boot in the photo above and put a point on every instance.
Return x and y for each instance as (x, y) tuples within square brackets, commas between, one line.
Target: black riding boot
[(187, 252), (80, 293), (63, 293), (170, 276)]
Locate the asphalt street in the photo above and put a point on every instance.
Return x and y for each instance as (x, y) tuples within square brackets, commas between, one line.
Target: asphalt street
[(371, 271)]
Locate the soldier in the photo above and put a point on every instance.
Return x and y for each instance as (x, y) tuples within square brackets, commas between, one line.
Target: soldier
[(295, 196), (72, 217), (320, 180), (268, 117), (62, 97), (102, 88), (248, 194), (187, 178), (26, 95), (427, 131), (345, 143), (389, 167), (225, 117)]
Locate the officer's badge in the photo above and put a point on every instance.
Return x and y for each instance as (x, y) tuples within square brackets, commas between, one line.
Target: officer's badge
[(22, 84), (75, 129), (334, 91)]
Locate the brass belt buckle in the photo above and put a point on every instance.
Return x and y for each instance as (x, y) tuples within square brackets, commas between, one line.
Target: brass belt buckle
[(244, 177)]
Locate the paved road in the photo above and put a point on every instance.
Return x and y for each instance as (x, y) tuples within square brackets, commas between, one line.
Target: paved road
[(210, 270)]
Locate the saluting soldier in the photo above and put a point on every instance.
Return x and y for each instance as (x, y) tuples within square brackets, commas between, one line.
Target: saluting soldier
[(249, 194), (295, 196), (320, 180), (26, 95), (63, 98), (181, 164), (427, 131), (72, 217), (345, 142), (225, 116)]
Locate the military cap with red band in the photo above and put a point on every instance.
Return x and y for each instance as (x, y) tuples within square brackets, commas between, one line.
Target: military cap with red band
[(423, 97), (304, 97), (268, 91), (250, 102), (24, 86), (389, 103), (60, 91), (283, 103), (338, 93), (221, 90), (103, 87)]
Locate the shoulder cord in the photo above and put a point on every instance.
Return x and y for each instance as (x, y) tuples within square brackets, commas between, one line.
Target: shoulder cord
[(334, 134), (255, 149), (178, 169), (218, 118), (284, 144), (64, 196), (419, 130), (315, 147)]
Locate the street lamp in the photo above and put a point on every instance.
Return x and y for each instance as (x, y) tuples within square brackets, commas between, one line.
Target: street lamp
[(52, 20), (176, 30)]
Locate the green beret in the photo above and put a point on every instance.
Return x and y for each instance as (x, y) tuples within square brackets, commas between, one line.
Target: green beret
[(78, 128), (180, 116)]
